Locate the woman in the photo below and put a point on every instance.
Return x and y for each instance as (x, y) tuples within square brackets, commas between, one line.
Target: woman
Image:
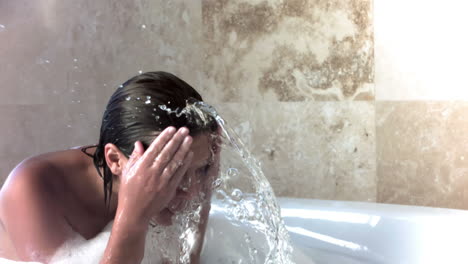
[(49, 198)]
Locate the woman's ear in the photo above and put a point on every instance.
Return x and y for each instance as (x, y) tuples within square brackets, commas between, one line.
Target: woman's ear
[(115, 159)]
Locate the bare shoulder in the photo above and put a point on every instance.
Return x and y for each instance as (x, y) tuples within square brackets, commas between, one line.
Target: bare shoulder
[(44, 170), (31, 172), (27, 194)]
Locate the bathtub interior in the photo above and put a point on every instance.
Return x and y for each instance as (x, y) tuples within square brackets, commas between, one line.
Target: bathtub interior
[(331, 232), (358, 232)]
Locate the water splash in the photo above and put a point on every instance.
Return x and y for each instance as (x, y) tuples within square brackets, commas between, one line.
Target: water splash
[(242, 193)]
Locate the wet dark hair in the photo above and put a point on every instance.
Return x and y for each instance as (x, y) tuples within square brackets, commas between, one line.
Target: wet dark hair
[(139, 110)]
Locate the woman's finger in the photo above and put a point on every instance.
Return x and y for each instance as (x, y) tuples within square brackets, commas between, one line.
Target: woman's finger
[(174, 182), (168, 152), (136, 154), (158, 144), (177, 160)]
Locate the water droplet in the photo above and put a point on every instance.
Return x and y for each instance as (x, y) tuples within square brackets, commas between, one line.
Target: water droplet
[(128, 98), (163, 107), (232, 172), (148, 102), (140, 72), (217, 183), (75, 67), (72, 90), (259, 163), (75, 60), (105, 85), (148, 97), (2, 27), (138, 98), (69, 126), (196, 218), (157, 118), (121, 86), (78, 101), (143, 26), (237, 195), (76, 83), (220, 195)]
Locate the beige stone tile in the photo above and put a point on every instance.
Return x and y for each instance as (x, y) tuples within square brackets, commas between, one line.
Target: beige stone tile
[(422, 153), (420, 50), (335, 150), (29, 130), (62, 52), (288, 50), (323, 150)]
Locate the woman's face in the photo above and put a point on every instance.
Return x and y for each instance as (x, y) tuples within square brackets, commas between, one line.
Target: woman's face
[(197, 180)]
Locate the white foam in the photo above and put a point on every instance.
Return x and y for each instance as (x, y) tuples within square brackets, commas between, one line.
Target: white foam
[(7, 261)]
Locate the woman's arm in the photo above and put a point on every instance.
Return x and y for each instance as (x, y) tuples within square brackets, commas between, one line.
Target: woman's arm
[(127, 241), (196, 252)]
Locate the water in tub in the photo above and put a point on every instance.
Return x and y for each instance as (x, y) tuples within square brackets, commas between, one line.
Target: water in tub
[(251, 229)]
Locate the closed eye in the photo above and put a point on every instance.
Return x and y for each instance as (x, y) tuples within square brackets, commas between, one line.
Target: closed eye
[(204, 170)]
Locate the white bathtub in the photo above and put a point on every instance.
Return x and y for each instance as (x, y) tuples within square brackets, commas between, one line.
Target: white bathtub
[(336, 232)]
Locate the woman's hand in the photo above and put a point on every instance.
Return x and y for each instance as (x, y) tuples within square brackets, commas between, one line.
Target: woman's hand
[(150, 179)]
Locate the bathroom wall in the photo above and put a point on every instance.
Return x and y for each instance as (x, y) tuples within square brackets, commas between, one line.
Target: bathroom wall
[(341, 99), (421, 102), (61, 61)]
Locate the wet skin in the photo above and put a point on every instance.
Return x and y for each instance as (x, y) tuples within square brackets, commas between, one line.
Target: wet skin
[(49, 198)]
